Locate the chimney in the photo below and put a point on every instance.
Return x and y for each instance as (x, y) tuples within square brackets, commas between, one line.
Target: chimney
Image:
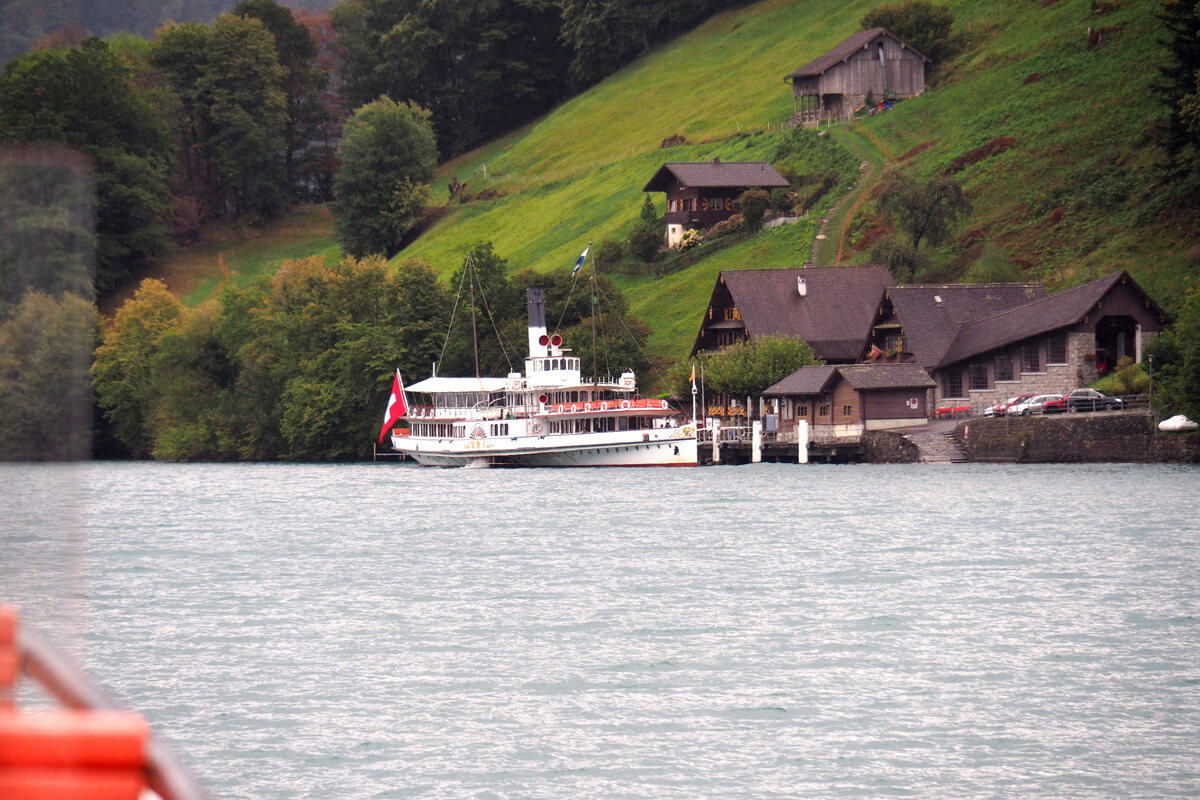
[(716, 159), (801, 286), (535, 300)]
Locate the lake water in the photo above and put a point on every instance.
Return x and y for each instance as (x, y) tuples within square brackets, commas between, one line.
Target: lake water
[(383, 631)]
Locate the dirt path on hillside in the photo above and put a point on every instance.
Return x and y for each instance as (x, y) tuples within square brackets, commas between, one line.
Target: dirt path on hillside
[(874, 158)]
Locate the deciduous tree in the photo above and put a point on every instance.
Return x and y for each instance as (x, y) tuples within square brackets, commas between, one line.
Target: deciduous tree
[(748, 368), (242, 86), (45, 388), (85, 96), (387, 157), (924, 25), (127, 383), (925, 210)]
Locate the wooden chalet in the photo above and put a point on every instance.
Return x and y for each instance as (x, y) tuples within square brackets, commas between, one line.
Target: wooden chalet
[(841, 402), (984, 343), (831, 308), (701, 194), (872, 63)]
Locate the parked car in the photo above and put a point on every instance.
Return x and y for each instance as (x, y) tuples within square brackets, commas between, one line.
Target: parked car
[(999, 409), (1031, 406), (1093, 400), (1058, 406)]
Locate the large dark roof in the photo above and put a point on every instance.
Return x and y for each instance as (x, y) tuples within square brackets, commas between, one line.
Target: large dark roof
[(863, 377), (1040, 316), (715, 174), (834, 316), (846, 49), (932, 314)]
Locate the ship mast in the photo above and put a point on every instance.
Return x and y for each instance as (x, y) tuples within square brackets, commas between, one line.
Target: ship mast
[(474, 330), (595, 304)]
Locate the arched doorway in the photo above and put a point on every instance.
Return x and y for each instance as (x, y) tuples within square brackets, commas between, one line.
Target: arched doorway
[(1116, 338)]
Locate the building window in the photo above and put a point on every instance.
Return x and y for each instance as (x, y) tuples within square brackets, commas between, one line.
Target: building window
[(1056, 349), (732, 313), (689, 204), (823, 411), (1030, 358), (1004, 370), (716, 204), (847, 411), (954, 383), (979, 376)]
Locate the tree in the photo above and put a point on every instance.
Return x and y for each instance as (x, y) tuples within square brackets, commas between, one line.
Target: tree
[(126, 380), (242, 88), (86, 97), (387, 156), (603, 35), (924, 210), (1175, 361), (1180, 86), (481, 67), (749, 367), (649, 213), (644, 241), (45, 389), (754, 204), (304, 154), (46, 242), (922, 24)]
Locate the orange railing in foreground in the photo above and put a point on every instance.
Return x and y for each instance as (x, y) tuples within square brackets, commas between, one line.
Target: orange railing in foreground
[(91, 748)]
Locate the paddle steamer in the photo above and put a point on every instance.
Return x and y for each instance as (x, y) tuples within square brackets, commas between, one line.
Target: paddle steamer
[(550, 416)]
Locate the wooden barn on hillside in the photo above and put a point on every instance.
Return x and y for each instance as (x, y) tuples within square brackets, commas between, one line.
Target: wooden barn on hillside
[(873, 62)]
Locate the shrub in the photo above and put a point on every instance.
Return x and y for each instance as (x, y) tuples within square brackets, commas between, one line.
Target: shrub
[(691, 238), (726, 227), (610, 251), (903, 261), (754, 204), (644, 241)]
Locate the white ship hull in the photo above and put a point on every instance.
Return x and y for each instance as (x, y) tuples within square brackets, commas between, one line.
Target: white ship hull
[(668, 447)]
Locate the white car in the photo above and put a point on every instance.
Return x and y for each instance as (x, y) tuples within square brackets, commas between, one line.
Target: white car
[(1031, 406)]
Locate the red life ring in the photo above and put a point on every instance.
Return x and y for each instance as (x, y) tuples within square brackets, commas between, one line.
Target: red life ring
[(624, 404), (664, 404), (604, 406), (587, 406)]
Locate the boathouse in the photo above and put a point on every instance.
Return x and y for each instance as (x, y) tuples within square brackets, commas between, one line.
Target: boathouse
[(870, 65), (840, 402), (984, 343), (701, 194), (831, 308)]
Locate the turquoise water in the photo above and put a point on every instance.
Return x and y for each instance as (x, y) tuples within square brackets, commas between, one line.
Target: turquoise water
[(733, 632)]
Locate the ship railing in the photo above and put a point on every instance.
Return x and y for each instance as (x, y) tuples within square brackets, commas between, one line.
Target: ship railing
[(165, 772)]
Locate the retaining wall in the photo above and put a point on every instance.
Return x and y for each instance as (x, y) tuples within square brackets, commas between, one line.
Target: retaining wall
[(1075, 438)]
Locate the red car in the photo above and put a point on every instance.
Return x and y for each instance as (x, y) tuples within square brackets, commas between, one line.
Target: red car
[(1058, 406)]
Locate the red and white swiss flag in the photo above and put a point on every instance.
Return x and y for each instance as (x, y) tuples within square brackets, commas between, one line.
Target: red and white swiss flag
[(396, 407)]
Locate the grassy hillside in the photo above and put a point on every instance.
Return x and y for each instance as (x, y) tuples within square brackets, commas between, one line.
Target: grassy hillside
[(1067, 194)]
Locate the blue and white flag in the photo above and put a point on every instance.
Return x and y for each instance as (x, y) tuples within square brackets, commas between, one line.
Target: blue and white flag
[(579, 261)]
